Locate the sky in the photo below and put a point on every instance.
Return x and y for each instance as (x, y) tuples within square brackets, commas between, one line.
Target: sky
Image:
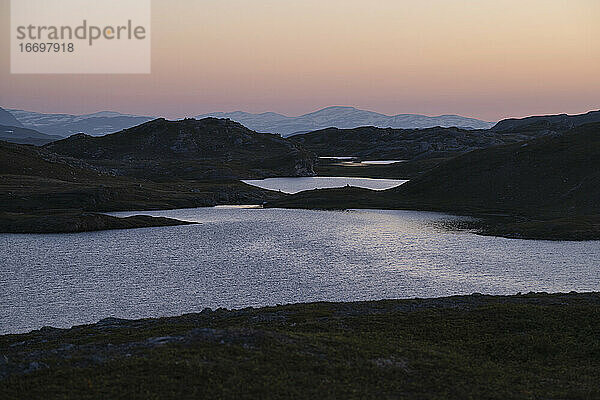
[(478, 58)]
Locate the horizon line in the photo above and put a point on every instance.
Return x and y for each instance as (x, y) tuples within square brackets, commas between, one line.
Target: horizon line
[(16, 108)]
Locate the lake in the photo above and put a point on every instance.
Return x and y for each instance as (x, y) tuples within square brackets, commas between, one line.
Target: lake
[(295, 185), (238, 257), (355, 161), (381, 162)]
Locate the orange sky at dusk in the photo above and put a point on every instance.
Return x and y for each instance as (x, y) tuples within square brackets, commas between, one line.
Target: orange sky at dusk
[(484, 59)]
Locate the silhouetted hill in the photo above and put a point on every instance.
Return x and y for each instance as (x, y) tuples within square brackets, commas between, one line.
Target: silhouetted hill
[(42, 191), (546, 123), (22, 160), (550, 174), (189, 149), (408, 144), (553, 182), (400, 144)]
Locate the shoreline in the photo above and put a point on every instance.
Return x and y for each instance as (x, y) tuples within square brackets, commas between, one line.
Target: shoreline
[(575, 228), (511, 224), (408, 304), (449, 347), (77, 222)]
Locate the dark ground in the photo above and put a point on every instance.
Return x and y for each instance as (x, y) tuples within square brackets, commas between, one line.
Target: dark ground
[(73, 221), (43, 192), (546, 188), (399, 170), (534, 346)]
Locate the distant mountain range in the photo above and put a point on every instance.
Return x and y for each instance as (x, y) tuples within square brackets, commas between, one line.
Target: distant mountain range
[(343, 118), (7, 119), (16, 134), (105, 122), (65, 125)]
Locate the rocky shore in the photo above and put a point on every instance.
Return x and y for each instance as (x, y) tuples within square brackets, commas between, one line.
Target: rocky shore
[(71, 222)]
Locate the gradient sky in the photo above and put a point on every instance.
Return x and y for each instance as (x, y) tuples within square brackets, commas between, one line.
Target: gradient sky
[(488, 59)]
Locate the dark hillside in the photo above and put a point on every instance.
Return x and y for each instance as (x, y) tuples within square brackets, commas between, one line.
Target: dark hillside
[(546, 188), (211, 148), (370, 143), (40, 190), (559, 175), (547, 123)]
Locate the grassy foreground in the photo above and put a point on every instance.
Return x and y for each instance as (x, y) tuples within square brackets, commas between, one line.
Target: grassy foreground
[(534, 346)]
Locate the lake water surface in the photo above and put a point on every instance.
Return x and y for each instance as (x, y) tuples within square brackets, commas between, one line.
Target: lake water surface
[(354, 161), (381, 162), (238, 257), (295, 185)]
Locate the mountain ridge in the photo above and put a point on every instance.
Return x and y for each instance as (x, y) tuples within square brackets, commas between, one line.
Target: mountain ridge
[(15, 134), (8, 119), (343, 117), (551, 122), (407, 144), (189, 149), (95, 124)]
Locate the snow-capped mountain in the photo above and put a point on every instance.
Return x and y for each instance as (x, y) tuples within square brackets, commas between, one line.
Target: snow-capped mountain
[(64, 125), (104, 122), (343, 118)]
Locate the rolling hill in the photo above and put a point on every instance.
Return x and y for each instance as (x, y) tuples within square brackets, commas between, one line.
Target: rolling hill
[(373, 143), (548, 123), (558, 175), (548, 187), (408, 144), (41, 191), (208, 149)]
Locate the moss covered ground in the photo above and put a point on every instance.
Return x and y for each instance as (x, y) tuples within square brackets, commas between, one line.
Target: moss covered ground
[(535, 346)]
